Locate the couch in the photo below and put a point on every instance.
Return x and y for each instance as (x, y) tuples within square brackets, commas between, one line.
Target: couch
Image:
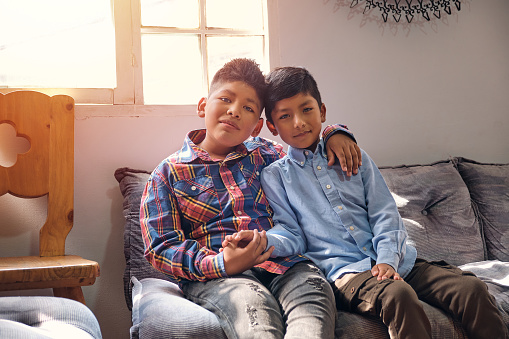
[(455, 210)]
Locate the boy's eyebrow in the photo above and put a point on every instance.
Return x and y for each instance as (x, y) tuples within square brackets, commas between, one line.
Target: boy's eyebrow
[(253, 101), (284, 109)]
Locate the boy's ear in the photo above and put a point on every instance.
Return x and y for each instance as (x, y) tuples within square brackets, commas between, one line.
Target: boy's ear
[(323, 111), (258, 128), (272, 128), (201, 107)]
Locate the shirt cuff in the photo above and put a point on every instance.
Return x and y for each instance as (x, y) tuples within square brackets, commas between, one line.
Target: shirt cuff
[(332, 129), (389, 258), (271, 242), (213, 266)]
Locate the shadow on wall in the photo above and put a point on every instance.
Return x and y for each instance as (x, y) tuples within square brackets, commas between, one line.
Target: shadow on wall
[(20, 219), (398, 16)]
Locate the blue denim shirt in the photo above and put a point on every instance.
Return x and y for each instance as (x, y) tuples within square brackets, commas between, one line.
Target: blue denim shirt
[(341, 223)]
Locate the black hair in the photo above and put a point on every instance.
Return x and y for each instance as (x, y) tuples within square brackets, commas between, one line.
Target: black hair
[(286, 82), (241, 69)]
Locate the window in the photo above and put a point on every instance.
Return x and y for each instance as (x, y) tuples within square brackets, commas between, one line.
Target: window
[(152, 52), (189, 40), (57, 44)]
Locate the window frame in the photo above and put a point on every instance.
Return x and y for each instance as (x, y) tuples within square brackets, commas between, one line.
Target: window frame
[(127, 98)]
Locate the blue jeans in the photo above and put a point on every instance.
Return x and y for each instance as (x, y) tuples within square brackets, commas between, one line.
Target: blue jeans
[(258, 304)]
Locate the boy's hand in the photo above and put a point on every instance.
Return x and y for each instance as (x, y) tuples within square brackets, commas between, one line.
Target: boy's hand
[(239, 257), (243, 237), (346, 150), (385, 271)]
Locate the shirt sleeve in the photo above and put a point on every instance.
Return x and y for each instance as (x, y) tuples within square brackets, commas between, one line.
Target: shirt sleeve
[(286, 236), (166, 246), (389, 233), (333, 129)]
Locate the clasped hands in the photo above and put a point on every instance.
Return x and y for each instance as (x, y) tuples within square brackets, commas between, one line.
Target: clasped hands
[(243, 250)]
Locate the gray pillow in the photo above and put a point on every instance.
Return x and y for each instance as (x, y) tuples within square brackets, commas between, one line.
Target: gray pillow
[(434, 203), (489, 189), (132, 183)]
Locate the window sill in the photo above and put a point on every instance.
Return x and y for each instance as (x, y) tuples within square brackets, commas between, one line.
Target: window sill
[(83, 111)]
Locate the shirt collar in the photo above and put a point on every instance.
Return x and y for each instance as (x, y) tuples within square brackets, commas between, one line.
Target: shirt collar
[(191, 151), (298, 155)]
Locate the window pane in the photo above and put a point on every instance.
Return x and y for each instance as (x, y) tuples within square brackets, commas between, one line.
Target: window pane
[(170, 13), (57, 43), (244, 14), (172, 69), (221, 49)]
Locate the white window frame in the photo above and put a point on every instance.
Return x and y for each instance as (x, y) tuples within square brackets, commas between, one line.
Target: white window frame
[(127, 98)]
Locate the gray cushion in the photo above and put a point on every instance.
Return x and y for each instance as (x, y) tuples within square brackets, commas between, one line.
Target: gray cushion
[(132, 183), (46, 317), (161, 311), (489, 189), (434, 203)]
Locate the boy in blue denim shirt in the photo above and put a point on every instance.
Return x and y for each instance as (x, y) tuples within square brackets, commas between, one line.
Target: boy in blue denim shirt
[(350, 227)]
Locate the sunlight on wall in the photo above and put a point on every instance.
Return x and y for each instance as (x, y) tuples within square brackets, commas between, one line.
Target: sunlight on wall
[(11, 145)]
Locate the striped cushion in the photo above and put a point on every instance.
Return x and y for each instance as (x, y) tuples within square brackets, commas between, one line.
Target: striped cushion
[(434, 203)]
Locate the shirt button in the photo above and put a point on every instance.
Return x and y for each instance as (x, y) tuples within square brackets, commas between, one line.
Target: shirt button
[(193, 188), (231, 187), (239, 212), (340, 207), (364, 249), (306, 153), (319, 168), (352, 290), (328, 186), (302, 162), (352, 228), (257, 173)]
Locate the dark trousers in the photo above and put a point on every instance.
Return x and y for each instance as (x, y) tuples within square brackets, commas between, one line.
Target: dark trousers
[(396, 303)]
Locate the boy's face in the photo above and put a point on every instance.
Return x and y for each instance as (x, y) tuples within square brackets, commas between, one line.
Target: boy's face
[(298, 120), (232, 114)]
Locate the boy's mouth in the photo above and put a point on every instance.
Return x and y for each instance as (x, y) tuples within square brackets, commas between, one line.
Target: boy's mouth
[(301, 134), (229, 123)]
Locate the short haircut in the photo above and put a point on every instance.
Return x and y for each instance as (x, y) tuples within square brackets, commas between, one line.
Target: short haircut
[(245, 70), (286, 82)]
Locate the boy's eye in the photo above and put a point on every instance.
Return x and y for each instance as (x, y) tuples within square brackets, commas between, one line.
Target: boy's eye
[(225, 100), (307, 109), (249, 109), (284, 116)]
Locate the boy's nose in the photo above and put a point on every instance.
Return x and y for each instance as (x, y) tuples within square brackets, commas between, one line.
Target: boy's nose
[(298, 122), (233, 111)]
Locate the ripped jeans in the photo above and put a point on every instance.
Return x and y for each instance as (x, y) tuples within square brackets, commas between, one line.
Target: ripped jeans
[(259, 304)]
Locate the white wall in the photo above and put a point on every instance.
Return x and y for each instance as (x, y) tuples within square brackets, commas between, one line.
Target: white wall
[(412, 93)]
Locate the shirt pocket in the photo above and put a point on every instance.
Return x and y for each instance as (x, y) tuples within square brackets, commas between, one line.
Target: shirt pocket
[(252, 179), (197, 199)]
